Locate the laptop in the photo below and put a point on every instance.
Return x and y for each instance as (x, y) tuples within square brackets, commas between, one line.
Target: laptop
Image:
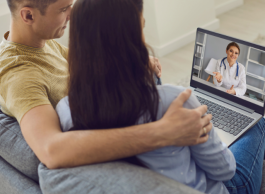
[(232, 115)]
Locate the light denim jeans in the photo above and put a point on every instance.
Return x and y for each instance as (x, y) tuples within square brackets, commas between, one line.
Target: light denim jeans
[(249, 154)]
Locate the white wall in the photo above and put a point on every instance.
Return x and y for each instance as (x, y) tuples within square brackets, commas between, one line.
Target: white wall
[(4, 23), (222, 6), (3, 7), (4, 18), (219, 2), (171, 24)]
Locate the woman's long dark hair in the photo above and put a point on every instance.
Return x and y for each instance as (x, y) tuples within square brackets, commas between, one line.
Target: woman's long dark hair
[(111, 82)]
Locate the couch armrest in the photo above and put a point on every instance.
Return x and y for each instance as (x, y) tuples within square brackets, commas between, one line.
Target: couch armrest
[(15, 150), (12, 181)]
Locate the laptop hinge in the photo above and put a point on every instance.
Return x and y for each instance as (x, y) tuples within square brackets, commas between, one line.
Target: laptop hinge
[(224, 100)]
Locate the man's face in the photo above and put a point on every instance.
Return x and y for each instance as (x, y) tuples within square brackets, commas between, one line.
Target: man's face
[(53, 23)]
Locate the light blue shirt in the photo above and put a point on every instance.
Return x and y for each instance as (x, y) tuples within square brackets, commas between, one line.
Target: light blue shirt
[(202, 167)]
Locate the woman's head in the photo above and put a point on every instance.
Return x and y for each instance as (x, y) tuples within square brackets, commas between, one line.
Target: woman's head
[(232, 51), (111, 81)]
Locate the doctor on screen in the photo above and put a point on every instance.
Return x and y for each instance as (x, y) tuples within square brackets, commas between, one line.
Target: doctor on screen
[(230, 74)]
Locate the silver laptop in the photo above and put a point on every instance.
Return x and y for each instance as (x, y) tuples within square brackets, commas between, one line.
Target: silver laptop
[(232, 115)]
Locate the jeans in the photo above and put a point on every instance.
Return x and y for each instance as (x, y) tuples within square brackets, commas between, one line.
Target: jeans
[(249, 154)]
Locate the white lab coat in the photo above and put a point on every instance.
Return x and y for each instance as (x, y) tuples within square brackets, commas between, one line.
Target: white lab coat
[(229, 74)]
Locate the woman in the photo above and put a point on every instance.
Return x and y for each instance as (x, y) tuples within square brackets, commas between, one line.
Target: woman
[(229, 73), (111, 85)]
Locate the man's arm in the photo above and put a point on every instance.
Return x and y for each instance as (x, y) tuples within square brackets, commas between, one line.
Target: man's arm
[(56, 149)]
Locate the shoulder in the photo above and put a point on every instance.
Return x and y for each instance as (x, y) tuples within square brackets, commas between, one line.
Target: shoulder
[(241, 66), (168, 93), (23, 83), (64, 113), (8, 54), (21, 71), (15, 56), (7, 49), (219, 60), (169, 90)]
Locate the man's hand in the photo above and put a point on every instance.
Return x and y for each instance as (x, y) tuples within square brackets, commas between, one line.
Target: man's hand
[(184, 127), (218, 76), (156, 66), (231, 91)]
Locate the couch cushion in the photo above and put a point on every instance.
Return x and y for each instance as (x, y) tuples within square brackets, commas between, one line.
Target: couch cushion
[(15, 150), (13, 182), (111, 178)]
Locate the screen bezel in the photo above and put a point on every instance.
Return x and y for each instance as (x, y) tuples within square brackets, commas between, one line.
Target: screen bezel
[(195, 84)]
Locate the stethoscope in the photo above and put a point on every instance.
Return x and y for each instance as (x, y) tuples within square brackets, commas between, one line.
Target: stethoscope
[(237, 69)]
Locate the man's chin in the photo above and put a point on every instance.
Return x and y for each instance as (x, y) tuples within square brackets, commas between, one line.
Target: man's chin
[(59, 35)]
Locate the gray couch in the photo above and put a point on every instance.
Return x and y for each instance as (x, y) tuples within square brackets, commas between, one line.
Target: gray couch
[(19, 170), (22, 173)]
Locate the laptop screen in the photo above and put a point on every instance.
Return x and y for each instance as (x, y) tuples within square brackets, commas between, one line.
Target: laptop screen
[(230, 68)]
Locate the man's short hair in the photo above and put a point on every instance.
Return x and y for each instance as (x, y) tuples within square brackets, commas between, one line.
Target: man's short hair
[(41, 5)]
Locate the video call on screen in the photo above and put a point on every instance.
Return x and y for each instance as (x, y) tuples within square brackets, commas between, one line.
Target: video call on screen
[(211, 56)]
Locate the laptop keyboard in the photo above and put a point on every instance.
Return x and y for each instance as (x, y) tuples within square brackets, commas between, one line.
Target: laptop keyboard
[(225, 118)]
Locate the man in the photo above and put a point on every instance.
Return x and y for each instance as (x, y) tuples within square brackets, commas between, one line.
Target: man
[(33, 77)]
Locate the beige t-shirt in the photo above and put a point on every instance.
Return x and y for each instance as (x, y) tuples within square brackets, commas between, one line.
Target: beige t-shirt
[(30, 77)]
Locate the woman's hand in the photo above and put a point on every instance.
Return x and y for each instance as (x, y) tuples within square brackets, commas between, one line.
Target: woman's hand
[(231, 91), (218, 76), (156, 66)]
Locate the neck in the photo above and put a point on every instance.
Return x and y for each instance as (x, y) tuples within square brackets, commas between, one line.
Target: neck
[(231, 63), (23, 34)]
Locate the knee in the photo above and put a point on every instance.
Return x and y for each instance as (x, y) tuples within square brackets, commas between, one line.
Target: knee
[(261, 123)]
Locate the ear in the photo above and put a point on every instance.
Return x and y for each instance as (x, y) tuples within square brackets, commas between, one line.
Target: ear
[(27, 15)]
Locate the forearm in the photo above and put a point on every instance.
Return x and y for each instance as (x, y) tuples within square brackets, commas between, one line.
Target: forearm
[(214, 155), (179, 126), (77, 148)]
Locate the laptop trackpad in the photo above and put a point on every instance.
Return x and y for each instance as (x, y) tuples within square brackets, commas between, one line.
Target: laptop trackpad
[(227, 138)]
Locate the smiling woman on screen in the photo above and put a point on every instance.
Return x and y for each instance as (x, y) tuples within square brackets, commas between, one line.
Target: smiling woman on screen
[(230, 74)]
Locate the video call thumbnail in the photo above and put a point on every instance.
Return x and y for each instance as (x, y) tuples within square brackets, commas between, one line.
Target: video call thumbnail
[(231, 67)]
